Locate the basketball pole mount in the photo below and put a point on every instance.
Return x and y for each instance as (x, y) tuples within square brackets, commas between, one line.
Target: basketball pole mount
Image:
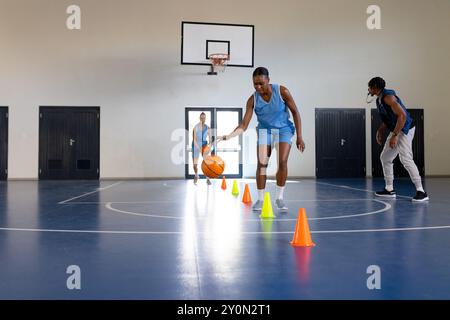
[(212, 72)]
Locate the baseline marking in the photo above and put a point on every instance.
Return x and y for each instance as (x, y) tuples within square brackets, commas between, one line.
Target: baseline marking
[(244, 232)]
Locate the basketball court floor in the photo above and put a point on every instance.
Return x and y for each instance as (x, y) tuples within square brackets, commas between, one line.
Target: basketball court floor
[(170, 239), (104, 105)]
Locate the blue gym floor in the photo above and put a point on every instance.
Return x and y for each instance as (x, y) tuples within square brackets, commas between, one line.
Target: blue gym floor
[(173, 240)]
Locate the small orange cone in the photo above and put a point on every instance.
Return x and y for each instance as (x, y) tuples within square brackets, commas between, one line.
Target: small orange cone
[(224, 184), (247, 198), (302, 236)]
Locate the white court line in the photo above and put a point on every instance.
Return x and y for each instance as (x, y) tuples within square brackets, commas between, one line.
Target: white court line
[(137, 202), (383, 230), (357, 189), (253, 181), (244, 232), (90, 231), (92, 192), (108, 206), (128, 202), (387, 206), (126, 232), (182, 201)]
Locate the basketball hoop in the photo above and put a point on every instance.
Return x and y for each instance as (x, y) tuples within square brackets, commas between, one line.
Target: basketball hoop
[(219, 62)]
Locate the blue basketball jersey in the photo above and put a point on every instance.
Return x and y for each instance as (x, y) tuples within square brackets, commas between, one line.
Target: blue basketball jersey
[(388, 116), (201, 135), (273, 114)]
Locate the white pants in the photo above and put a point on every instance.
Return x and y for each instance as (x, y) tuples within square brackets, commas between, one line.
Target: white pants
[(404, 149)]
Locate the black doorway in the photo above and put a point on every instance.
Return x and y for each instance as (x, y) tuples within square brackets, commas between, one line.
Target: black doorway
[(340, 143), (418, 146), (69, 142), (3, 143)]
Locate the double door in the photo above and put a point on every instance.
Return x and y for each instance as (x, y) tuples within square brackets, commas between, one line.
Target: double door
[(69, 142), (3, 143), (340, 143)]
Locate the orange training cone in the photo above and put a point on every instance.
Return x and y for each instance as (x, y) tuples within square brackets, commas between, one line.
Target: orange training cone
[(247, 198), (224, 184), (302, 236)]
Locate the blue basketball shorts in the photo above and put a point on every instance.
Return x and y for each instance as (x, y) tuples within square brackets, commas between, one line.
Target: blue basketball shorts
[(273, 136)]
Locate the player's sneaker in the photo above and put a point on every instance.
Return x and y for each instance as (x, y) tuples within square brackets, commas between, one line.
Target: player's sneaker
[(281, 206), (258, 205), (386, 194), (420, 196)]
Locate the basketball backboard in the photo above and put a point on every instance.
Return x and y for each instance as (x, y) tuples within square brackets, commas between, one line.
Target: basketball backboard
[(200, 39)]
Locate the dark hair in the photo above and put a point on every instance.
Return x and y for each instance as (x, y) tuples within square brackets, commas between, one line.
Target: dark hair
[(377, 83), (201, 114), (261, 71)]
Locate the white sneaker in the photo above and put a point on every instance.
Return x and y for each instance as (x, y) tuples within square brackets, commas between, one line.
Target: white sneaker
[(258, 205), (281, 205)]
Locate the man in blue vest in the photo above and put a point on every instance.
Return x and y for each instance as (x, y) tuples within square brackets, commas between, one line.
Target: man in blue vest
[(396, 119)]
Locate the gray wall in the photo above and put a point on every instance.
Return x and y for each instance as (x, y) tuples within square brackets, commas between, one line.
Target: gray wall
[(126, 59)]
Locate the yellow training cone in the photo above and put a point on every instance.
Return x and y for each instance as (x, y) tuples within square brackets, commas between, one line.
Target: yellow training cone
[(267, 211), (235, 191)]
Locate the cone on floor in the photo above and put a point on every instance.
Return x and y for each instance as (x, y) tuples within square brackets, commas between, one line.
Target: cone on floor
[(235, 191), (267, 211), (247, 198), (224, 184), (302, 235)]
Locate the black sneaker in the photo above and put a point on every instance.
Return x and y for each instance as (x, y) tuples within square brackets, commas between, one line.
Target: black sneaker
[(420, 196), (386, 194)]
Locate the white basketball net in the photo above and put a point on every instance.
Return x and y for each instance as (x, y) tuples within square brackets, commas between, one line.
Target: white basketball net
[(219, 61)]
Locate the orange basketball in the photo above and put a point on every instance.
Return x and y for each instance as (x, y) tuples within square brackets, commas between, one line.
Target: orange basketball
[(213, 166)]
